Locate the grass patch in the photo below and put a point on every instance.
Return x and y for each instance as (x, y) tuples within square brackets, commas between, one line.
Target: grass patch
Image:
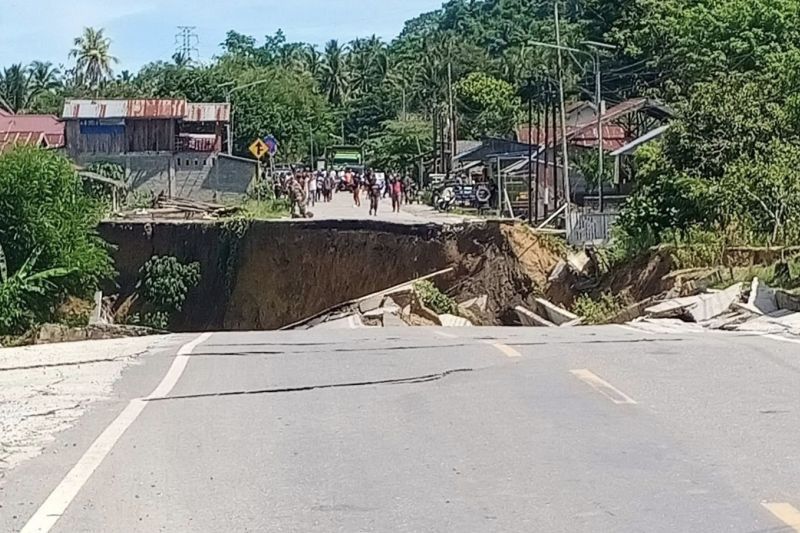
[(266, 209), (766, 274)]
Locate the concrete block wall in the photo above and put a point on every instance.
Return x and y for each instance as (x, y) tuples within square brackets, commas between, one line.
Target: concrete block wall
[(197, 176)]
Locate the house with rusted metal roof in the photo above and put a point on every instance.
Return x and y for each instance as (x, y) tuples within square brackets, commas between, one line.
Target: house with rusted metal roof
[(167, 146), (138, 126), (45, 131)]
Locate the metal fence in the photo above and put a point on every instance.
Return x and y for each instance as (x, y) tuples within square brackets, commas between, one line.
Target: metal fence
[(591, 227)]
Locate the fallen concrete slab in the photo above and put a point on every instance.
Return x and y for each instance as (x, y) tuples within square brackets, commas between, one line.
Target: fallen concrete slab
[(355, 305), (762, 298), (697, 308), (553, 313), (712, 305), (392, 320), (530, 319), (453, 321), (787, 300)]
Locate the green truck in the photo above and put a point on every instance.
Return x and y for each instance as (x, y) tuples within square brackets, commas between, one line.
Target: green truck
[(343, 157)]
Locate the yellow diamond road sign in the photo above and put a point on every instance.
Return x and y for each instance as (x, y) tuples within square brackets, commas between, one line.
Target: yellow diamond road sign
[(259, 149)]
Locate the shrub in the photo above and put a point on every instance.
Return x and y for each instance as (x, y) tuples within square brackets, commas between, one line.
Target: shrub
[(44, 212), (598, 311), (434, 299), (24, 294), (164, 282)]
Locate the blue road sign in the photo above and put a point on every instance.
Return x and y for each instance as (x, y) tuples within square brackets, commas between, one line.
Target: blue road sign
[(272, 144)]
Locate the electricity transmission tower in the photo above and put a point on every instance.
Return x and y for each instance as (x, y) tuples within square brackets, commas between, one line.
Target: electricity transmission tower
[(186, 43)]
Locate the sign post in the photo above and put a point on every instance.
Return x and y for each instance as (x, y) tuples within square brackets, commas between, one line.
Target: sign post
[(259, 149)]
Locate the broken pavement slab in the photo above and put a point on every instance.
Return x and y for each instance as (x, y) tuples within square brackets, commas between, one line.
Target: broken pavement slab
[(530, 319), (453, 321), (762, 298), (698, 308), (553, 313)]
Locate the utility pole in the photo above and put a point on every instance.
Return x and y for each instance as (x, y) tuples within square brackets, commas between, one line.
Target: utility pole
[(228, 95), (598, 99), (564, 148), (451, 114), (538, 149), (554, 115), (546, 203), (186, 43), (530, 151)]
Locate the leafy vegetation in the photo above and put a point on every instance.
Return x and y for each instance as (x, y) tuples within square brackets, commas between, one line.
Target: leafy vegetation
[(24, 295), (47, 232), (434, 299), (597, 311), (163, 285)]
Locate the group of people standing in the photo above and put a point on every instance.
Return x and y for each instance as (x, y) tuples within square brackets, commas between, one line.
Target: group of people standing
[(306, 188)]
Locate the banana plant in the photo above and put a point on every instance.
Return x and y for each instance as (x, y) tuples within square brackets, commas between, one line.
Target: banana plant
[(24, 291)]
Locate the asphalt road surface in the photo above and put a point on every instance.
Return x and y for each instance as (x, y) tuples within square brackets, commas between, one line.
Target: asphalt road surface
[(342, 208), (530, 430)]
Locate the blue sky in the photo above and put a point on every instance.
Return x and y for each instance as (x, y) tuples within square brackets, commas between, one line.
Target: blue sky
[(144, 30)]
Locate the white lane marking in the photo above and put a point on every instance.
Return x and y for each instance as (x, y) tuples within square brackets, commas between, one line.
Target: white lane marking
[(603, 387), (786, 513), (444, 334), (59, 500), (505, 349)]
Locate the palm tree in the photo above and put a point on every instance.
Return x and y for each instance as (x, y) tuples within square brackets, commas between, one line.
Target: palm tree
[(312, 62), (368, 62), (125, 76), (44, 77), (334, 73), (93, 57), (15, 90)]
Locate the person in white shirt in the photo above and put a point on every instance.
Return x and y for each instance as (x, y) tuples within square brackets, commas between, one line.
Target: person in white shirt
[(311, 181)]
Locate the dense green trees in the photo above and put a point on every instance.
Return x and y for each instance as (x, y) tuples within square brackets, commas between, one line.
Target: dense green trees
[(47, 231), (729, 67)]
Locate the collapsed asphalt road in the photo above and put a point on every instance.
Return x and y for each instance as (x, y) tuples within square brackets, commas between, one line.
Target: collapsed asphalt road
[(417, 429)]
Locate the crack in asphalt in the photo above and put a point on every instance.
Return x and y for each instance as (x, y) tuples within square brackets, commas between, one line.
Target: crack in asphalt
[(430, 347), (427, 378), (69, 363)]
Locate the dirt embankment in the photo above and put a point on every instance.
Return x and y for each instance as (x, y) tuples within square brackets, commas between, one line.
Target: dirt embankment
[(264, 275)]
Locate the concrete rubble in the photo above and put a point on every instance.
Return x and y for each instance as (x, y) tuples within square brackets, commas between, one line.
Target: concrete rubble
[(760, 309)]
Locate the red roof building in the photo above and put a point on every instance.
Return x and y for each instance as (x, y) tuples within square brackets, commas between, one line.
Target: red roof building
[(46, 131)]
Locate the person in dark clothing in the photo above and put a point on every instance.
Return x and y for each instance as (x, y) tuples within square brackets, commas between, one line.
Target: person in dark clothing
[(374, 194)]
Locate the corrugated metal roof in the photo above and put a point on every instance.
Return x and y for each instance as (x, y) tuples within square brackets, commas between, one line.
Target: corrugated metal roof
[(152, 109), (95, 109), (156, 109), (45, 123), (10, 139), (45, 130), (208, 113)]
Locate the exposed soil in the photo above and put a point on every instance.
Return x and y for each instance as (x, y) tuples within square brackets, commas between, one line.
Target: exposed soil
[(265, 275)]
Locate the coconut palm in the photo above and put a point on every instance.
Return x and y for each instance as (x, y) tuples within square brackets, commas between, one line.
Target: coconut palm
[(334, 73), (93, 57), (312, 62), (15, 88), (44, 77)]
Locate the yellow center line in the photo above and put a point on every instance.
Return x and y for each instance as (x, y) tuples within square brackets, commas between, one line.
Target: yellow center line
[(786, 513), (505, 349), (603, 387)]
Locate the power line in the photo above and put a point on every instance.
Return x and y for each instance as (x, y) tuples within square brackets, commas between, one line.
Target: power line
[(187, 42)]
